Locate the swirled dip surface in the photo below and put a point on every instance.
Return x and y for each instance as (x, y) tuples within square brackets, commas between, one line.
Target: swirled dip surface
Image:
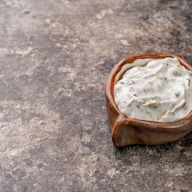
[(155, 90)]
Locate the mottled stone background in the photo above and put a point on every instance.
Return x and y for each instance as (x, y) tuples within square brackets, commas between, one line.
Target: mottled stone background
[(55, 56)]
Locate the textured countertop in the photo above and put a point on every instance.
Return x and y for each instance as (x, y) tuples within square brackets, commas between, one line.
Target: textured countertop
[(55, 56)]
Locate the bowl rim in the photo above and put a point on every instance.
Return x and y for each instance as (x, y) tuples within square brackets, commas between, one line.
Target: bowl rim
[(109, 91)]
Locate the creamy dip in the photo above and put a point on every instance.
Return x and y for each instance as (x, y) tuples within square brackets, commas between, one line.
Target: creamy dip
[(155, 90)]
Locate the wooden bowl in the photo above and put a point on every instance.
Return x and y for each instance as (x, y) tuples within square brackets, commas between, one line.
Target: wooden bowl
[(128, 131)]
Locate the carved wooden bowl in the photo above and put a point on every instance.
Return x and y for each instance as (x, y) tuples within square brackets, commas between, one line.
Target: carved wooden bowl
[(127, 131)]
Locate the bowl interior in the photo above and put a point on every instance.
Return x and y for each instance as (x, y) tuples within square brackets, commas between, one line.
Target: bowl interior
[(117, 73)]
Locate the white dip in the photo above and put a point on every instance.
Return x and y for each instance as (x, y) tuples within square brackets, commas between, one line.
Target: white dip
[(155, 90)]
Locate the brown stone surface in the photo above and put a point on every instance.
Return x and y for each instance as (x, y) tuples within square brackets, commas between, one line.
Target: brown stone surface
[(55, 56)]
